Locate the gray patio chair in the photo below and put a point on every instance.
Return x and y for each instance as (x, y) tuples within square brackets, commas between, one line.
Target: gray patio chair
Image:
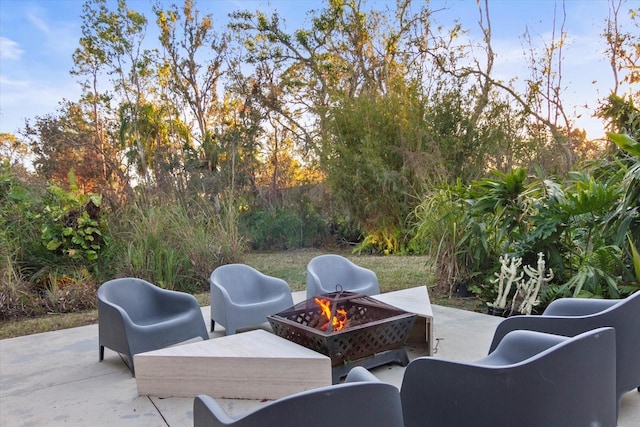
[(572, 316), (135, 316), (326, 272), (361, 401), (532, 379), (241, 296)]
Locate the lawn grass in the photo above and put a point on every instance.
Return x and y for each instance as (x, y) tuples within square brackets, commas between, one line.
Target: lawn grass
[(394, 273)]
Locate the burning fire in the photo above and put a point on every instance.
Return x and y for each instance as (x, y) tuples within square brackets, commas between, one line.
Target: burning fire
[(339, 320)]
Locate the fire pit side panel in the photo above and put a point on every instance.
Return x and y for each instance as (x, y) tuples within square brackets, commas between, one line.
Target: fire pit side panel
[(369, 339)]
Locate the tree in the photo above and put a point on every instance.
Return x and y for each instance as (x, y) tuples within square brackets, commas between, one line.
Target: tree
[(13, 149), (278, 151), (160, 134), (114, 39), (192, 65), (312, 81), (89, 60), (623, 47), (62, 144), (349, 49), (541, 98)]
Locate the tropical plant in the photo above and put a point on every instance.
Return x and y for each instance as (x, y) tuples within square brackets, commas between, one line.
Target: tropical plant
[(495, 212), (33, 279), (635, 256), (73, 226), (625, 220), (630, 205), (567, 221)]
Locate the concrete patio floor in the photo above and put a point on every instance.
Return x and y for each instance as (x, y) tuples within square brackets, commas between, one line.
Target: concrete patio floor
[(55, 378)]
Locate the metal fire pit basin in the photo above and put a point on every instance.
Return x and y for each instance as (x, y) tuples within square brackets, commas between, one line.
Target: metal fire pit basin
[(380, 327)]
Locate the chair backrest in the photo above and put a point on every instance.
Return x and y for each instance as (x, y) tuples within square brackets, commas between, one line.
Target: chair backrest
[(356, 404), (332, 270), (136, 297), (510, 352), (242, 283)]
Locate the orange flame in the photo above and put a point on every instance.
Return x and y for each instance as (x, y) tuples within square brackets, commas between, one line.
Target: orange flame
[(339, 320)]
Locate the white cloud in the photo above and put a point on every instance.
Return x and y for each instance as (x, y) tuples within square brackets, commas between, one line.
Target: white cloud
[(26, 99), (8, 83), (10, 49), (38, 22)]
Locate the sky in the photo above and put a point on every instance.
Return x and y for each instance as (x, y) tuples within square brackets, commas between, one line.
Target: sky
[(38, 38)]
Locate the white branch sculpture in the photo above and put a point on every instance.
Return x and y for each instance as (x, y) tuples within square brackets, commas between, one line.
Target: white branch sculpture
[(530, 289), (509, 272)]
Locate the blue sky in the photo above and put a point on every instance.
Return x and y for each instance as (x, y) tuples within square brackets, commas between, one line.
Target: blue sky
[(38, 37)]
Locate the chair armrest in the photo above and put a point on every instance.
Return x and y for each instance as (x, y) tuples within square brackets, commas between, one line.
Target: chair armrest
[(358, 374), (314, 285), (113, 311), (167, 301), (276, 286), (207, 413), (578, 306), (219, 291), (365, 273), (520, 345)]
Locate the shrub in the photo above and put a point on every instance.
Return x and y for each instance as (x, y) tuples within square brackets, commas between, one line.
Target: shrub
[(438, 226), (284, 228), (35, 279)]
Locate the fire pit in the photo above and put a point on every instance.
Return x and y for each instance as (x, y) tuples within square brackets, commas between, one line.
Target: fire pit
[(352, 329)]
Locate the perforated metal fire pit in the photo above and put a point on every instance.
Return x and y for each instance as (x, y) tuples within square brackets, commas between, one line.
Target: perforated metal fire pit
[(374, 334)]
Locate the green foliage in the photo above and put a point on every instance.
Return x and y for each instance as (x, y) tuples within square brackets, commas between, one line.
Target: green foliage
[(623, 115), (625, 220), (635, 256), (274, 230), (597, 274), (14, 295), (72, 225), (494, 209), (376, 161), (382, 241), (625, 142), (34, 280), (175, 245), (631, 180), (569, 222), (438, 224), (388, 116)]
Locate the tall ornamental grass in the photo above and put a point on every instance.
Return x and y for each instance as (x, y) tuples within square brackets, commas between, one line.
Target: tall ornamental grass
[(175, 245)]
